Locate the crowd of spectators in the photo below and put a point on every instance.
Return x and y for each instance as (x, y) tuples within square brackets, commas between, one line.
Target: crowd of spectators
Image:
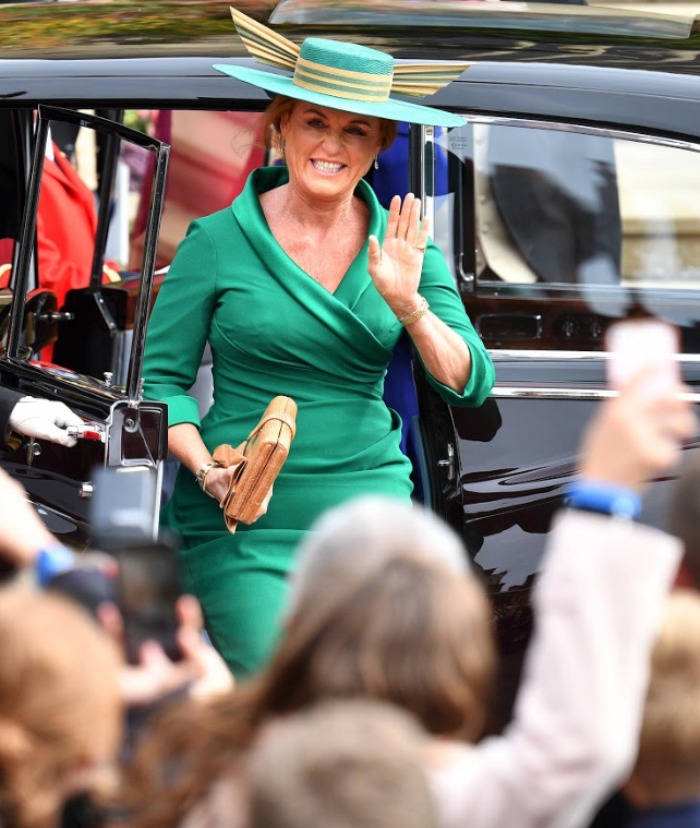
[(371, 711)]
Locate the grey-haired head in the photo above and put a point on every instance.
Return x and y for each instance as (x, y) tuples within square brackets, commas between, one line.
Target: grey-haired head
[(359, 537)]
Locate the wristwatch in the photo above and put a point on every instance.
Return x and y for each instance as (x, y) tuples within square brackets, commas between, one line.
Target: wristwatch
[(203, 471)]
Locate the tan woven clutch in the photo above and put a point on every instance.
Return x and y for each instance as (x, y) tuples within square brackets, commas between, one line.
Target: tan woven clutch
[(261, 458)]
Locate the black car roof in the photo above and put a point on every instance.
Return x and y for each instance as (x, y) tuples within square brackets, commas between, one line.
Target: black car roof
[(191, 81), (160, 54)]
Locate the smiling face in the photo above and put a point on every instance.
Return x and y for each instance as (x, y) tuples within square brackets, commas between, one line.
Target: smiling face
[(328, 151)]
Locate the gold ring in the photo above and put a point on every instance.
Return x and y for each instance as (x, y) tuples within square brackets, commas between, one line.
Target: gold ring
[(420, 247)]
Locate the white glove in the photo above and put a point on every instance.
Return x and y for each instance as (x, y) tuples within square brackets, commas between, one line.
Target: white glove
[(44, 419)]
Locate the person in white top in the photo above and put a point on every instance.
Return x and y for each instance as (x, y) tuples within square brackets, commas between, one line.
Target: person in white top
[(598, 605)]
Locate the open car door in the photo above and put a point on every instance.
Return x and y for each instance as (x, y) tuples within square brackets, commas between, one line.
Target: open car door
[(97, 336)]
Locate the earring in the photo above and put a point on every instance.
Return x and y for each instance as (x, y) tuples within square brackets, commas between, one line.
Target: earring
[(376, 163)]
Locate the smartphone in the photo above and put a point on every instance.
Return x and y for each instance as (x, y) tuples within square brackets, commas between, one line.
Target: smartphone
[(148, 589), (637, 345)]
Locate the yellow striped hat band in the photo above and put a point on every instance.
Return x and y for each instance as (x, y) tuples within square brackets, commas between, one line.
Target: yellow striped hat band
[(342, 83)]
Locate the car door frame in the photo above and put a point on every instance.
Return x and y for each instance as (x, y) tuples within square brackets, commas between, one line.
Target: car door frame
[(123, 430)]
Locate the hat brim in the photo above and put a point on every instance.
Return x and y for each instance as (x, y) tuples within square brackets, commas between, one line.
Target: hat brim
[(391, 109)]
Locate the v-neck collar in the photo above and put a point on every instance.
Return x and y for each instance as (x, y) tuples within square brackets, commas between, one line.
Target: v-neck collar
[(356, 279)]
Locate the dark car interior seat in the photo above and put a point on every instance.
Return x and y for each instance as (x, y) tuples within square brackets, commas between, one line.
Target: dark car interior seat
[(11, 192)]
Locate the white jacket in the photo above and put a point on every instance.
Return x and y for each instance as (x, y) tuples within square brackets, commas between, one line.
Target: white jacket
[(598, 604)]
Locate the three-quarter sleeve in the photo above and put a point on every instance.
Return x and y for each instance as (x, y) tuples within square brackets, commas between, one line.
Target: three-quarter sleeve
[(438, 288), (179, 326)]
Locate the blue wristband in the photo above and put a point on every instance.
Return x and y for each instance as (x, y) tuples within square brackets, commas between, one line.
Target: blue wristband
[(51, 562), (604, 498)]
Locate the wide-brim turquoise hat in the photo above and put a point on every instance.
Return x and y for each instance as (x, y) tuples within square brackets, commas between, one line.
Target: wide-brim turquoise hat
[(341, 75)]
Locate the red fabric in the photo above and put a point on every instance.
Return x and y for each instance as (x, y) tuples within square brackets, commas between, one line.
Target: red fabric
[(66, 227), (6, 249), (211, 156), (684, 579)]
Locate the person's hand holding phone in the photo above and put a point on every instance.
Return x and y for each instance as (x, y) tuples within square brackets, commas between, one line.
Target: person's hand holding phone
[(639, 434), (209, 673), (636, 436), (155, 676)]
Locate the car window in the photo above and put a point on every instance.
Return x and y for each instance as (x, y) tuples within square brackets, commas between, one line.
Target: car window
[(73, 304), (212, 153), (596, 225)]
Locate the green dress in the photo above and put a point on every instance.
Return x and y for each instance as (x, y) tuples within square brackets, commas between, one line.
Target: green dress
[(273, 330)]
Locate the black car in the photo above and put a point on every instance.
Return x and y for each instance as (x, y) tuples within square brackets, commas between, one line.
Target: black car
[(570, 200)]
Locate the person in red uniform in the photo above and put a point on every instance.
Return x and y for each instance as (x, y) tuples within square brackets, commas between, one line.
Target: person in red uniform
[(66, 227)]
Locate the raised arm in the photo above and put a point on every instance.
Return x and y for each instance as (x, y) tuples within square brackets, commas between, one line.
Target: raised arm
[(598, 603), (397, 270)]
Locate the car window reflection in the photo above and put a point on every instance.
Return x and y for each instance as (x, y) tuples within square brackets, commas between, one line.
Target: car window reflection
[(595, 225)]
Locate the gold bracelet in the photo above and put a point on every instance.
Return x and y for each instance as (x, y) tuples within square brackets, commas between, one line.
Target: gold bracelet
[(416, 315), (203, 471)]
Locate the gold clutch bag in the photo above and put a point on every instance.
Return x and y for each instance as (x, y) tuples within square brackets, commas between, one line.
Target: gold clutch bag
[(260, 460)]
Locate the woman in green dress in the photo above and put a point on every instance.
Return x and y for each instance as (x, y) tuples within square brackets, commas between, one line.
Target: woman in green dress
[(302, 288)]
